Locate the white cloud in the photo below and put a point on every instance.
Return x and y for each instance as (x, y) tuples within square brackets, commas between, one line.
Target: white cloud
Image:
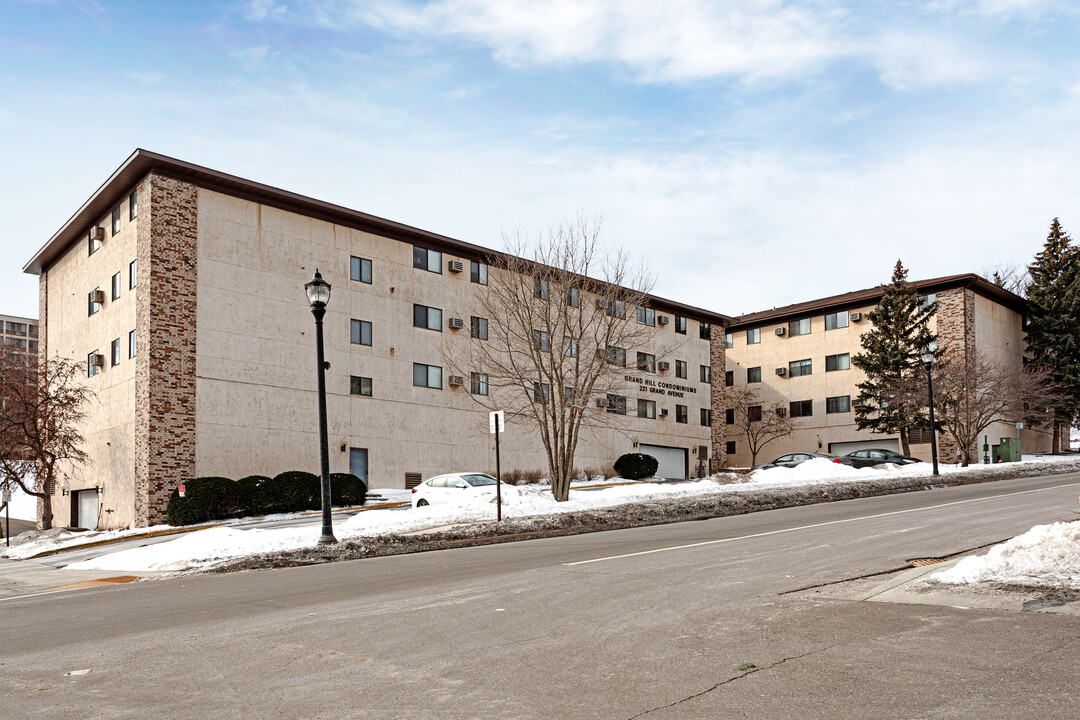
[(905, 60), (146, 77), (999, 9), (258, 10), (251, 58)]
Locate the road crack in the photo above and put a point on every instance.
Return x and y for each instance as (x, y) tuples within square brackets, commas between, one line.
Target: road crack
[(731, 680)]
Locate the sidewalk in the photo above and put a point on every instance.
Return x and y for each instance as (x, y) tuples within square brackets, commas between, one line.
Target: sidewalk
[(22, 578)]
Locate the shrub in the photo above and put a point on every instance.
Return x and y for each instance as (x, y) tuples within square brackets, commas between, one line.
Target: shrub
[(347, 489), (291, 491), (253, 494), (208, 498), (521, 477), (634, 466)]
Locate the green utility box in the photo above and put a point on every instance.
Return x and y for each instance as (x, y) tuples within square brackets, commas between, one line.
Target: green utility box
[(1008, 450)]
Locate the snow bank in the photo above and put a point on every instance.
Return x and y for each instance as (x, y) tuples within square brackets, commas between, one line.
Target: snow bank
[(1044, 556)]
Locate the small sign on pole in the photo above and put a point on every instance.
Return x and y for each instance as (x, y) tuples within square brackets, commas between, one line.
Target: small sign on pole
[(497, 423), (7, 496), (181, 489)]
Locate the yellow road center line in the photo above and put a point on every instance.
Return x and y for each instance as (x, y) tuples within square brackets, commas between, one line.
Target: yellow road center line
[(808, 527)]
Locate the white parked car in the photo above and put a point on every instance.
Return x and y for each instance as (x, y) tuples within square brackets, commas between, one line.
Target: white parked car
[(453, 487)]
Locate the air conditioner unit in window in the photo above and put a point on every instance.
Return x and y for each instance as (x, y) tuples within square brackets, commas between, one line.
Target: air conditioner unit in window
[(457, 380), (601, 402), (781, 411), (97, 296), (663, 412), (456, 266), (662, 319), (98, 360), (855, 317), (781, 371), (97, 233), (664, 366), (780, 331), (457, 323)]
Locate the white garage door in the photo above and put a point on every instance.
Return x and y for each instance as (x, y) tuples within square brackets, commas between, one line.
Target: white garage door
[(672, 460), (843, 448)]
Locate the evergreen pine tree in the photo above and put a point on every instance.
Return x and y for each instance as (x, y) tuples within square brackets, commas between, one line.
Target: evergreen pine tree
[(1053, 333), (890, 358)]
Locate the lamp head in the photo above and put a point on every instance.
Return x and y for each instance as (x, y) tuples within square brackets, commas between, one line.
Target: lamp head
[(318, 291), (927, 354)]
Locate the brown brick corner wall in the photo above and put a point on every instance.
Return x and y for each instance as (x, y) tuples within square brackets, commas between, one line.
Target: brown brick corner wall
[(718, 366), (165, 338), (956, 338)]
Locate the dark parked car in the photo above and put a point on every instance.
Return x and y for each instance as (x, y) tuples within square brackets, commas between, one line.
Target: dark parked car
[(878, 456), (797, 458)]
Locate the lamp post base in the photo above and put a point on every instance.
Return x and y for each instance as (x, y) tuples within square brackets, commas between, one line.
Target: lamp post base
[(327, 540)]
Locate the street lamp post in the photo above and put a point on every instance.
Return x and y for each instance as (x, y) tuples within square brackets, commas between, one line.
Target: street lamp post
[(318, 293), (928, 360)]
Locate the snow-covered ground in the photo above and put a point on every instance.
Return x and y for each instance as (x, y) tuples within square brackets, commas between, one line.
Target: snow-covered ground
[(215, 545), (1044, 556)]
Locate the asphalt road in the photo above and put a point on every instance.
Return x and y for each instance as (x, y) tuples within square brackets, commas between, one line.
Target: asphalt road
[(693, 620)]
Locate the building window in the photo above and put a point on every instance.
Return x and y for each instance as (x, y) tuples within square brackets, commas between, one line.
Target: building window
[(799, 327), (540, 288), (837, 362), (424, 259), (571, 397), (925, 301), (753, 375), (478, 273), (15, 328), (646, 362), (646, 316), (704, 330), (541, 393), (802, 408), (116, 286), (615, 308), (426, 317), (753, 413), (838, 404), (478, 384), (33, 331), (93, 241), (33, 344), (131, 344), (729, 416), (569, 345), (478, 328), (573, 297), (798, 368), (114, 352), (116, 220), (646, 409), (616, 356), (360, 386), (706, 417), (680, 369), (360, 332), (753, 337), (729, 340), (429, 376), (541, 340), (92, 368), (706, 374), (133, 270), (360, 269), (92, 306), (680, 414), (133, 205), (836, 320), (729, 378), (730, 447), (680, 324), (616, 404)]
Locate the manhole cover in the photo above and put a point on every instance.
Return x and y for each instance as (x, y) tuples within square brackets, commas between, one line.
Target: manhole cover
[(919, 562)]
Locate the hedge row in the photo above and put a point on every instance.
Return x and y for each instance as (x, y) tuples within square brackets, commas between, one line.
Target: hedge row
[(635, 466), (218, 498)]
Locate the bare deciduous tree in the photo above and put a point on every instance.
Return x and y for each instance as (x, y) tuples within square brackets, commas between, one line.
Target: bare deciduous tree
[(969, 396), (41, 405), (753, 420), (561, 332), (1010, 276)]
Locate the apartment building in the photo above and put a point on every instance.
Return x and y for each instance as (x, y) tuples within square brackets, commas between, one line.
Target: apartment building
[(18, 335), (181, 288), (800, 357)]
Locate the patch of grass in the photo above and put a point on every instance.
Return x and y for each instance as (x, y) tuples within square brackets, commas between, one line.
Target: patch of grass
[(745, 666)]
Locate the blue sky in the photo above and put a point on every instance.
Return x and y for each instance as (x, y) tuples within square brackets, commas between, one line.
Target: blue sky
[(753, 152)]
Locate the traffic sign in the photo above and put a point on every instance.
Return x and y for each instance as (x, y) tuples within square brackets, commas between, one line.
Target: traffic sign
[(497, 416)]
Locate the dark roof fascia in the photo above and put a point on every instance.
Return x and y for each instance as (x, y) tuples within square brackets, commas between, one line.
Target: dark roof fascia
[(143, 162), (871, 296)]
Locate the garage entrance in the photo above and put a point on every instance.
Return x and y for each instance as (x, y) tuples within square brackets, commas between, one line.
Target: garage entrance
[(84, 509), (843, 448), (673, 460)]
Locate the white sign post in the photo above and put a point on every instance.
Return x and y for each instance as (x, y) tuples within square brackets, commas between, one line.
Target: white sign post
[(497, 424)]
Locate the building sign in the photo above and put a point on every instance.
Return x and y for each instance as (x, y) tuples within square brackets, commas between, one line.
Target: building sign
[(659, 387)]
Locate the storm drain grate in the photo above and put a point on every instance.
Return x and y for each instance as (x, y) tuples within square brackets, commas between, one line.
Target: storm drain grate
[(919, 562)]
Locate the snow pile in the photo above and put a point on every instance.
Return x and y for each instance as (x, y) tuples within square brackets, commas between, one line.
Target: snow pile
[(1044, 556)]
